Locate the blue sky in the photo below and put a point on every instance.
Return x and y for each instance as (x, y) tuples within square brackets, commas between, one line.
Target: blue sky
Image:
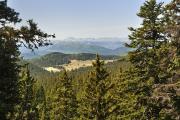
[(81, 18)]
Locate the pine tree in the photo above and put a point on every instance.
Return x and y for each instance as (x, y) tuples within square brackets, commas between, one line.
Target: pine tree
[(41, 105), (156, 60), (8, 67), (172, 18), (148, 40), (27, 107), (127, 82), (98, 102), (175, 37), (11, 38), (66, 103), (173, 26), (170, 62)]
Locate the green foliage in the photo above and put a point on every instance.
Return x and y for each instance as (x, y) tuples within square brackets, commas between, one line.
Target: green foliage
[(41, 104), (98, 102), (27, 108), (65, 103), (154, 63), (11, 38), (9, 94), (144, 87), (173, 18), (56, 58)]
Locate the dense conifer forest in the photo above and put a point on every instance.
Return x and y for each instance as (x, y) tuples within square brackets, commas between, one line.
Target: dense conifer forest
[(143, 85), (57, 58)]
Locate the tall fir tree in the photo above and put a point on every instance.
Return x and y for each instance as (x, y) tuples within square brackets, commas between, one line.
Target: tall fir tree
[(41, 104), (148, 40), (11, 38), (170, 63), (174, 29), (97, 102), (65, 101), (127, 82), (27, 93), (9, 68)]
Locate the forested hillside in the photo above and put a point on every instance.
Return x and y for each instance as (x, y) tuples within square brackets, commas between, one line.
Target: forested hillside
[(144, 85), (56, 58)]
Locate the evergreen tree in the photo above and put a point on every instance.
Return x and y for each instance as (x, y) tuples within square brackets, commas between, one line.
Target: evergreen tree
[(170, 62), (147, 40), (173, 26), (98, 102), (8, 62), (40, 102), (27, 107), (11, 39), (127, 82), (156, 60), (66, 103)]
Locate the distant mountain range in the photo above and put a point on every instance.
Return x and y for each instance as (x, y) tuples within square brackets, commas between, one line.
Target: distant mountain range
[(102, 46)]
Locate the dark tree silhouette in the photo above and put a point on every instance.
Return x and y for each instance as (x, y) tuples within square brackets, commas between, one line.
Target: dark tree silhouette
[(11, 39)]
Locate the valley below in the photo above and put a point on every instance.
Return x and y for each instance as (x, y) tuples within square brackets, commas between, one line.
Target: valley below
[(73, 65), (56, 62)]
